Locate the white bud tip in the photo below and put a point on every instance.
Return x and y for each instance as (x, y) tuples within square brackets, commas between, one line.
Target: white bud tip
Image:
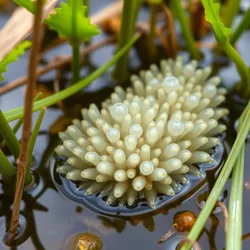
[(170, 83), (146, 167), (175, 127), (119, 111)]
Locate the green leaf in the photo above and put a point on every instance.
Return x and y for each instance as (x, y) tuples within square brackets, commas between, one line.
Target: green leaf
[(27, 4), (70, 22), (212, 12), (13, 56)]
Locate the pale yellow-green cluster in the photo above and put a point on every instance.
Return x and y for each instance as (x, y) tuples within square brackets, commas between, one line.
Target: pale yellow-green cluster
[(146, 138)]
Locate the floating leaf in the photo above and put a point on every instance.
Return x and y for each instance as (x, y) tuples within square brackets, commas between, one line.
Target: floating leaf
[(212, 12), (27, 4), (70, 22), (13, 56)]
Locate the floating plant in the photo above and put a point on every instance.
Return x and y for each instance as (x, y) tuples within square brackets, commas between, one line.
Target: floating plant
[(145, 140)]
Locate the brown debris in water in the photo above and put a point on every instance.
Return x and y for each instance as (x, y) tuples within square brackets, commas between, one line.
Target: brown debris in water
[(183, 222), (88, 241)]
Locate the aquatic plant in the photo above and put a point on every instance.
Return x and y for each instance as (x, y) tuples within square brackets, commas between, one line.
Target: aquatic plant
[(148, 137)]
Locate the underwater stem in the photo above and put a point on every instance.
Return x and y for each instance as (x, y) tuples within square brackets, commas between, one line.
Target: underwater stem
[(6, 169), (243, 25), (32, 142), (152, 26), (9, 136), (233, 239), (179, 11), (230, 11), (222, 178), (129, 16), (241, 67), (61, 95), (27, 122), (75, 46), (75, 63)]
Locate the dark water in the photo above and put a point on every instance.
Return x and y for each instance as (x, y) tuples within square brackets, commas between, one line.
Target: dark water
[(49, 219)]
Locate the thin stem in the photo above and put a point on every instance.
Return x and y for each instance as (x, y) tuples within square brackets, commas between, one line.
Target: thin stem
[(9, 136), (75, 45), (27, 123), (222, 178), (230, 11), (86, 3), (61, 95), (76, 63), (240, 65), (32, 142), (6, 169), (233, 240), (185, 28), (243, 25), (129, 16), (152, 27)]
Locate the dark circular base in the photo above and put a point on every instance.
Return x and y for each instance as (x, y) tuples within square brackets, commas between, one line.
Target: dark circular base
[(98, 203)]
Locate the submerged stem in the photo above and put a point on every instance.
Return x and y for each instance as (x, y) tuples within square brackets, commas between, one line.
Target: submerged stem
[(129, 16), (75, 45), (185, 29), (6, 169), (243, 25), (76, 63), (32, 142), (240, 65), (9, 136), (230, 11), (152, 27)]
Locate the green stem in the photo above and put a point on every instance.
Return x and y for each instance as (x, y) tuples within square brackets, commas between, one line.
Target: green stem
[(179, 11), (233, 239), (240, 65), (86, 3), (152, 26), (19, 122), (32, 142), (129, 16), (6, 169), (9, 136), (59, 96), (222, 179), (230, 11), (243, 25), (76, 63), (75, 45)]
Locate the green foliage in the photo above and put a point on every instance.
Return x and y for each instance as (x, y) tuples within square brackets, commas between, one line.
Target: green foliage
[(13, 56), (70, 22), (27, 4), (212, 12)]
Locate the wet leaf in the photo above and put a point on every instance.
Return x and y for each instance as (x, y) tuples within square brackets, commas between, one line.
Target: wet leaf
[(13, 56), (62, 22), (212, 12), (27, 4)]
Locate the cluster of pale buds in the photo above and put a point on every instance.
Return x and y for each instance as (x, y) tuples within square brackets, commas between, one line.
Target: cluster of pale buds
[(145, 139)]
